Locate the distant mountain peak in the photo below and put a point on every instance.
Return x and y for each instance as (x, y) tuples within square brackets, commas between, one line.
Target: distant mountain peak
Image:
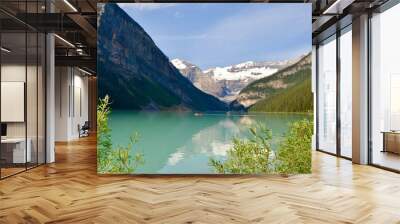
[(179, 64), (244, 64), (226, 82)]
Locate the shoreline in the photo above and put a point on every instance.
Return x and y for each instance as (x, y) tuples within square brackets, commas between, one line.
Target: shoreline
[(230, 113)]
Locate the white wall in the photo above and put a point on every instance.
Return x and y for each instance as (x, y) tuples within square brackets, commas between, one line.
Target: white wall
[(61, 103), (80, 109), (17, 73), (71, 102), (9, 73), (33, 126), (13, 101), (13, 72)]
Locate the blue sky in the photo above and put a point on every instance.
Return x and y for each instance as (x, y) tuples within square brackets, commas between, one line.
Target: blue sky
[(222, 34)]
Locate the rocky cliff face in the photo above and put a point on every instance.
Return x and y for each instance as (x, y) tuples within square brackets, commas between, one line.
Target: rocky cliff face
[(137, 74), (199, 79)]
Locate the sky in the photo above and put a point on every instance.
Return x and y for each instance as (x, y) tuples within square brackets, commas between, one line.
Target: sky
[(222, 34)]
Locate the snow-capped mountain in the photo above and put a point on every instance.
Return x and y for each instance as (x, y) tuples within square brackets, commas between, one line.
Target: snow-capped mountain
[(179, 64), (241, 71), (226, 82)]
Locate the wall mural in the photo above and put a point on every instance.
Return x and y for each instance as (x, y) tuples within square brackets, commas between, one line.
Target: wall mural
[(196, 88)]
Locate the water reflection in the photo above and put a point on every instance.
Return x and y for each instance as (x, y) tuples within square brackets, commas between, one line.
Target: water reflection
[(183, 143)]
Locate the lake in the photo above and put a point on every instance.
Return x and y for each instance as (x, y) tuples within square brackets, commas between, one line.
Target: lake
[(182, 143)]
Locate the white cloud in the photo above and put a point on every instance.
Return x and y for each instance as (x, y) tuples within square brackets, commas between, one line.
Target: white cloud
[(260, 22), (145, 6), (264, 25), (255, 32)]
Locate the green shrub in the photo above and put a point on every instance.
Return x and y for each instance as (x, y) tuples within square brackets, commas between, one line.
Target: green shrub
[(120, 159), (248, 156), (294, 153), (254, 155)]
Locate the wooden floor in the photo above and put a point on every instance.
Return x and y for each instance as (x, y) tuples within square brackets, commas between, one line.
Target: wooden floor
[(5, 172), (70, 191)]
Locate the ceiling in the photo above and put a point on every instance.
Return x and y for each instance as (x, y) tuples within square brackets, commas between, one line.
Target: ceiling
[(330, 15), (75, 22)]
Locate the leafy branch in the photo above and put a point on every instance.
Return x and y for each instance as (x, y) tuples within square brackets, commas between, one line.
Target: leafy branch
[(120, 159)]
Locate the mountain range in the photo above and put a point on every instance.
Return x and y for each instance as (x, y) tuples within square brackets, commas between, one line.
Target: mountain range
[(137, 74), (226, 82), (288, 90)]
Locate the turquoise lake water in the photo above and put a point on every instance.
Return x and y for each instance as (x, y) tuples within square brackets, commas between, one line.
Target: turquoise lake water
[(182, 143)]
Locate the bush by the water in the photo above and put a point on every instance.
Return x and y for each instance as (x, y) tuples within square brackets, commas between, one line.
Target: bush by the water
[(255, 156), (294, 153), (248, 155), (120, 159)]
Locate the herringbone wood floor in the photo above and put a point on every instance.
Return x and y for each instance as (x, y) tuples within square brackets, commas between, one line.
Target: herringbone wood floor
[(70, 191)]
